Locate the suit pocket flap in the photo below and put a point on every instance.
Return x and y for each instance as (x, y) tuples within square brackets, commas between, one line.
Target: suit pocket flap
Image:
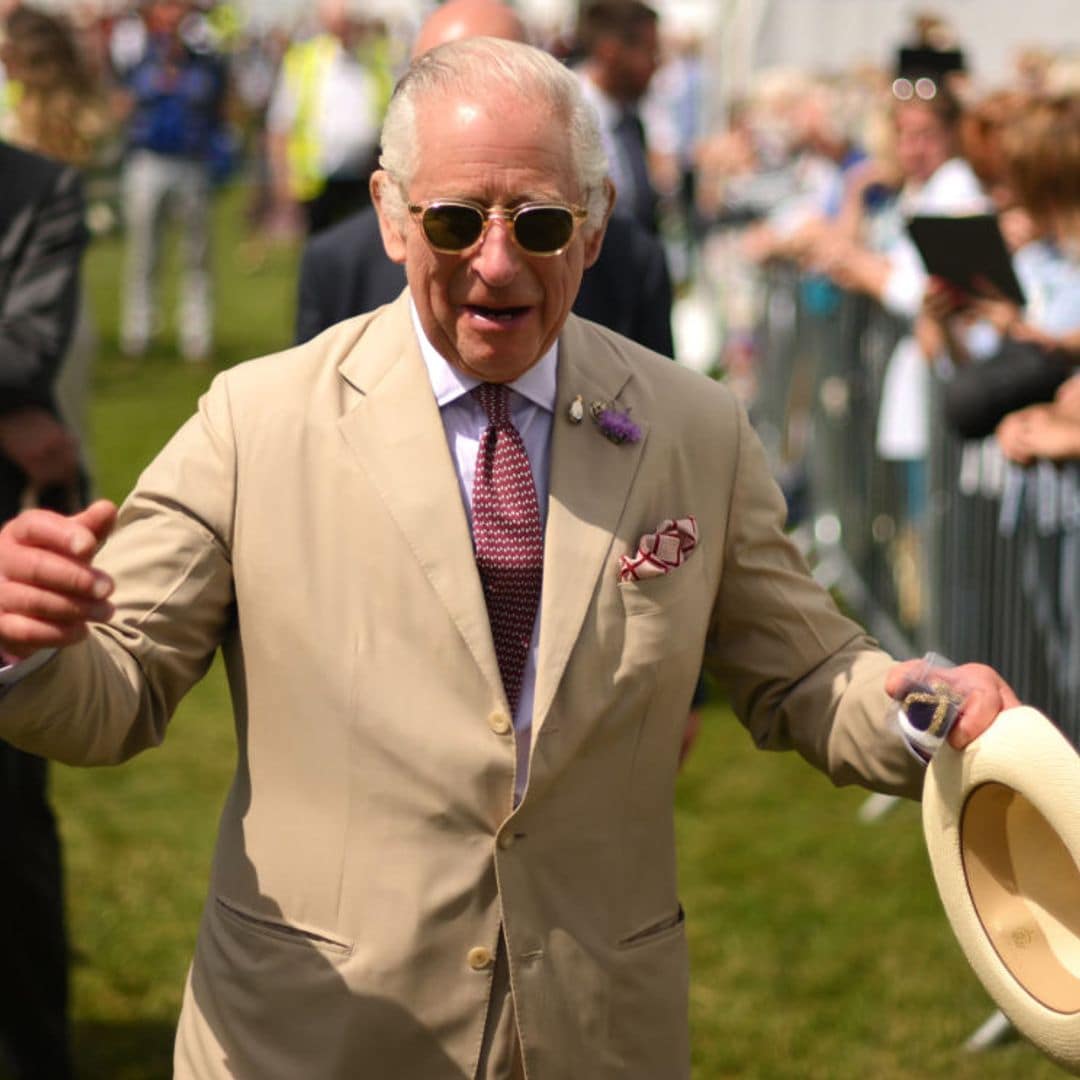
[(655, 931), (279, 929)]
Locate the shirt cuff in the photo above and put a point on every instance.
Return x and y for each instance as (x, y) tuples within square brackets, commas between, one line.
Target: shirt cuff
[(920, 745), (917, 752)]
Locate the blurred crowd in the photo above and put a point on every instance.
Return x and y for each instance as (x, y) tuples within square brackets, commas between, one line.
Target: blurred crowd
[(160, 103), (825, 174)]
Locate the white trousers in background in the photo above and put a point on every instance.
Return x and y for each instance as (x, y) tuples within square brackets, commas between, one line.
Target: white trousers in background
[(156, 186)]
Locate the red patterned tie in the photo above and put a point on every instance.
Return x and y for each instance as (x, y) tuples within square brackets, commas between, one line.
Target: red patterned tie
[(507, 537)]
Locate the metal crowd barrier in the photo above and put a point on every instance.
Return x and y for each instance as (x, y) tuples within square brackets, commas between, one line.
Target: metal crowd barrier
[(961, 553)]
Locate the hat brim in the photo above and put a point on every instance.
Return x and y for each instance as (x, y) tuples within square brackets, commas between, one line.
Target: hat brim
[(1002, 826)]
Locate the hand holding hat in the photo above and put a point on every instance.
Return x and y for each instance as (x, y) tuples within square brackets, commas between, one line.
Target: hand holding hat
[(1001, 818), (939, 700)]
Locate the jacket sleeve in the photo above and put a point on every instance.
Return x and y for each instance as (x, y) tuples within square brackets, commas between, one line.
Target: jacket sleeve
[(112, 695), (38, 305), (801, 675)]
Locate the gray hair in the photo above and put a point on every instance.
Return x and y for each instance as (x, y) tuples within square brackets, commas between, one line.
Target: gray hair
[(493, 65)]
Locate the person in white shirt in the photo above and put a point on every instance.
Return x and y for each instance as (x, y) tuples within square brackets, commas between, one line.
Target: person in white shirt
[(324, 116)]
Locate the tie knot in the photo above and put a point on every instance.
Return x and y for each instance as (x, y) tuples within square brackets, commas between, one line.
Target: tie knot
[(495, 402)]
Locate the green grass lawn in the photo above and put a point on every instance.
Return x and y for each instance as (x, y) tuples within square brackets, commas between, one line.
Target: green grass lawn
[(819, 946)]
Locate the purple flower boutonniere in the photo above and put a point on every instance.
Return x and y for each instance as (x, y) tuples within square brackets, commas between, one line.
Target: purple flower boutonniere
[(613, 423)]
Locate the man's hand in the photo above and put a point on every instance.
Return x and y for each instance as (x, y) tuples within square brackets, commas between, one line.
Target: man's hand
[(48, 589), (984, 691), (41, 446)]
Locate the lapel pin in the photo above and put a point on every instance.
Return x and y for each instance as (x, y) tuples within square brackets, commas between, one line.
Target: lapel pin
[(614, 424)]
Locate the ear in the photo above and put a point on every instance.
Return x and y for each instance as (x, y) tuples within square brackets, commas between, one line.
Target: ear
[(393, 237), (595, 240)]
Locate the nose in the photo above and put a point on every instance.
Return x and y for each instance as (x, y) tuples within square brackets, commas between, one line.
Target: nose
[(496, 258)]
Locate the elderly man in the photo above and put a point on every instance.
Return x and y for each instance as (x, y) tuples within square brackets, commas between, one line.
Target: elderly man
[(459, 675)]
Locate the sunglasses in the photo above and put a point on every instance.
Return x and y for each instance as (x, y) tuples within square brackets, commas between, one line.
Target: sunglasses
[(455, 225), (925, 89)]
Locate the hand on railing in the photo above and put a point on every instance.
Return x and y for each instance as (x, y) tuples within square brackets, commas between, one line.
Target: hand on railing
[(1039, 431)]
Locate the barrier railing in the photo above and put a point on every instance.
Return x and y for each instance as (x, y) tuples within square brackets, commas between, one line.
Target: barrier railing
[(960, 552)]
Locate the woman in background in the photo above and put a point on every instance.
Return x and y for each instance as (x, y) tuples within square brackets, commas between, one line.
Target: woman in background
[(53, 105), (1023, 352), (1044, 165), (51, 109)]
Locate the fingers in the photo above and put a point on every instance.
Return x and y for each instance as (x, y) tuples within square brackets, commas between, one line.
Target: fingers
[(942, 299), (900, 676), (79, 535), (1068, 393), (44, 604), (990, 290), (983, 691), (22, 637), (48, 588), (99, 517), (1023, 331), (986, 694), (47, 571)]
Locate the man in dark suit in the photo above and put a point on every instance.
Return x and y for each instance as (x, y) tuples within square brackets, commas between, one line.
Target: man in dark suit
[(41, 241), (345, 269), (620, 41)]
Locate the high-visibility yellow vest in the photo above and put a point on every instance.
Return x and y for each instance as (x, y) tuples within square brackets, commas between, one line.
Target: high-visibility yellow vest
[(303, 66)]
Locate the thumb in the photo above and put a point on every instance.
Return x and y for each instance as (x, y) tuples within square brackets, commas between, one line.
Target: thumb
[(99, 517)]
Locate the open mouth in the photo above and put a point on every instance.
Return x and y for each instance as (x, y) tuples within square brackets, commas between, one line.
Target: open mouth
[(496, 315)]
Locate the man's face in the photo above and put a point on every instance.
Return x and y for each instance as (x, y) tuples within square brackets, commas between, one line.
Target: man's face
[(634, 62), (165, 16), (492, 310), (923, 143)]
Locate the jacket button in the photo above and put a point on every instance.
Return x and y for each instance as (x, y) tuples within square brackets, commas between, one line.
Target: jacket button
[(480, 959), (499, 722), (506, 840)]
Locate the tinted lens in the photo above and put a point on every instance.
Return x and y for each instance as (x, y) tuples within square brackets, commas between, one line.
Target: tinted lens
[(452, 228), (543, 229)]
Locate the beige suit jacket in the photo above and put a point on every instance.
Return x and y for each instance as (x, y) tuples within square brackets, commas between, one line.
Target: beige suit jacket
[(308, 522)]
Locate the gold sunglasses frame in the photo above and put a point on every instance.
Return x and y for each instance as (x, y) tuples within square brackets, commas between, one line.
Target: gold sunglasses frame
[(487, 213)]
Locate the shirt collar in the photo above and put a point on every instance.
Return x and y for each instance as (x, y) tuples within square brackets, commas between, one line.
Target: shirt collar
[(607, 109), (448, 383)]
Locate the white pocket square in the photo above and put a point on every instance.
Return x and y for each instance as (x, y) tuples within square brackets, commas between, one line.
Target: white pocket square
[(661, 551)]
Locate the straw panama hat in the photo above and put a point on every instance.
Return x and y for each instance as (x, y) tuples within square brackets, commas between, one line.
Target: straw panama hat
[(1002, 826)]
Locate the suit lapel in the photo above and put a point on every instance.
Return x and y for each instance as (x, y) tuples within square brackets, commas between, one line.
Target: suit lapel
[(394, 429), (590, 482)]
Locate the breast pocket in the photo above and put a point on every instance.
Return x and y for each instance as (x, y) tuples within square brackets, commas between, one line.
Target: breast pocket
[(666, 614)]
